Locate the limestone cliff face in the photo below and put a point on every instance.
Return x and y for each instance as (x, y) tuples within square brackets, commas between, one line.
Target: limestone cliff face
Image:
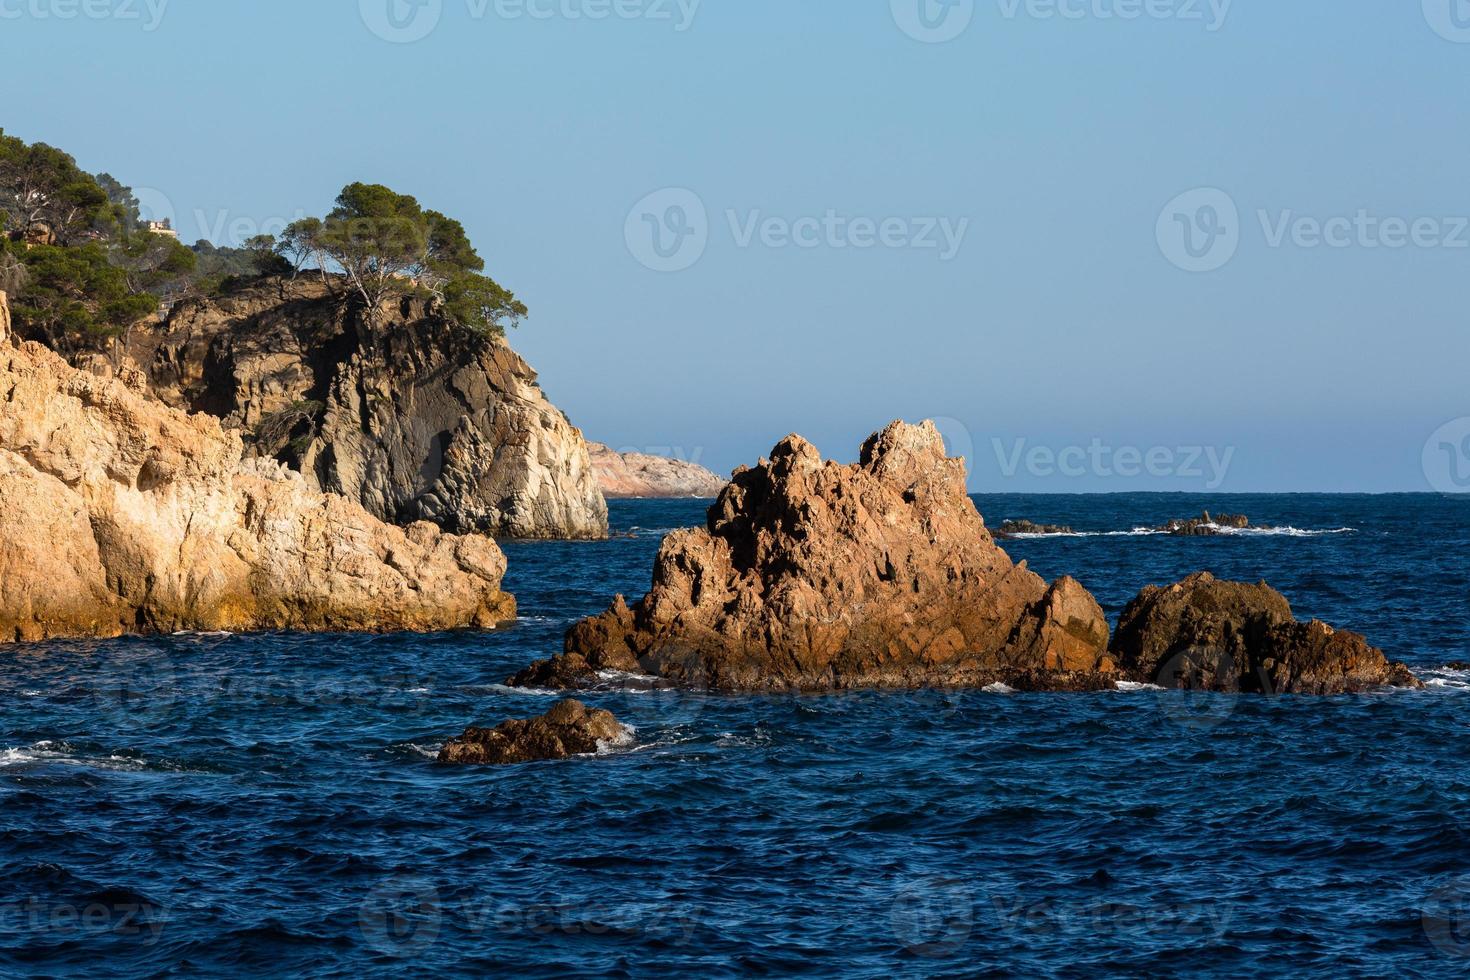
[(640, 475), (119, 514), (415, 421)]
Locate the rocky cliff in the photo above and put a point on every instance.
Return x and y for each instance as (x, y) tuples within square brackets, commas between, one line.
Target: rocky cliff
[(416, 420), (813, 575), (120, 514), (632, 475)]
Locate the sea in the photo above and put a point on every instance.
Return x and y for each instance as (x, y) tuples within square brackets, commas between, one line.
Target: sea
[(270, 805)]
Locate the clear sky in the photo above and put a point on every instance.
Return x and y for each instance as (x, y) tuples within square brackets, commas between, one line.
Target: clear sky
[(970, 212)]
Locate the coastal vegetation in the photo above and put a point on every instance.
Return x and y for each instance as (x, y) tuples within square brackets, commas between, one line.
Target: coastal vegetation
[(82, 264)]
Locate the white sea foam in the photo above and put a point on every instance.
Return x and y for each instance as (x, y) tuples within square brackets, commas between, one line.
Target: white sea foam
[(540, 692), (1245, 532), (1136, 686), (1444, 678), (998, 689), (622, 743), (62, 753)]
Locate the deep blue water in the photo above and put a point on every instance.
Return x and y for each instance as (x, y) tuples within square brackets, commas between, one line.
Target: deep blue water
[(269, 805)]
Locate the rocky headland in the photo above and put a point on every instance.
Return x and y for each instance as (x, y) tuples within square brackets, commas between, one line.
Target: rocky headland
[(570, 728), (633, 475), (812, 575), (414, 418), (119, 514)]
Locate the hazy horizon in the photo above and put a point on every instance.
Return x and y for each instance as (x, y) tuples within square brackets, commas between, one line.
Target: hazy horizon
[(1221, 245)]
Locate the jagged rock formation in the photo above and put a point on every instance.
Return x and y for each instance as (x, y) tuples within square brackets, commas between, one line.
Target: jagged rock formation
[(416, 421), (813, 575), (639, 475), (1205, 634), (570, 728), (119, 514)]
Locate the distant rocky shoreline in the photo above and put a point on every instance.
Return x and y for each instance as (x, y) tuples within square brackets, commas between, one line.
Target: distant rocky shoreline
[(642, 476)]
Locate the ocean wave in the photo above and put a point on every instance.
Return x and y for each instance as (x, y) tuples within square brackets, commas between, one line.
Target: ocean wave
[(1128, 686), (1444, 678), (64, 753), (623, 743), (998, 688)]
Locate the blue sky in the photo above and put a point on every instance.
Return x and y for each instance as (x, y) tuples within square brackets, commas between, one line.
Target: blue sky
[(981, 220)]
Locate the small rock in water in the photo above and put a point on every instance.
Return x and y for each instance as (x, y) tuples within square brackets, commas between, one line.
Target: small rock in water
[(1205, 634), (570, 728), (1207, 526), (1011, 529)]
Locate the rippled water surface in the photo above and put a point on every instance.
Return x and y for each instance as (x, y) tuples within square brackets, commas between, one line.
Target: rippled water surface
[(267, 805)]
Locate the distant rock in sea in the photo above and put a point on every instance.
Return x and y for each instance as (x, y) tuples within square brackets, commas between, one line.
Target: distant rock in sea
[(1207, 526), (119, 514), (570, 728), (633, 475), (1205, 634), (417, 420), (1012, 529), (818, 576)]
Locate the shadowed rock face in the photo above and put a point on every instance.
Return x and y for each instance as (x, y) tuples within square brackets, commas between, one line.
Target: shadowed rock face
[(813, 575), (1205, 634), (570, 728), (119, 514), (417, 421)]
